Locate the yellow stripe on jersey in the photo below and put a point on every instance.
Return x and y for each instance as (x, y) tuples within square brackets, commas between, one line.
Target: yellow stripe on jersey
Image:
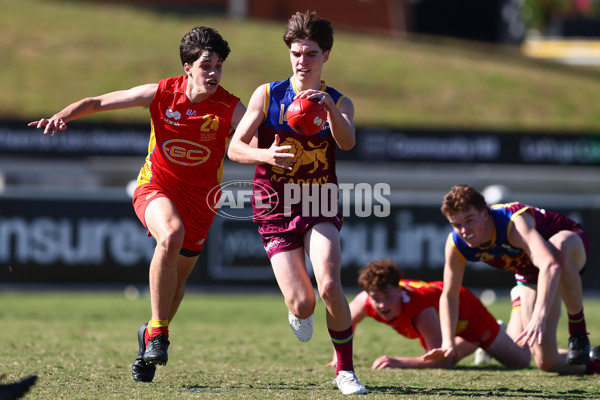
[(296, 90), (461, 326), (282, 114), (415, 285), (145, 174), (455, 249), (511, 223), (220, 170), (266, 105), (221, 102)]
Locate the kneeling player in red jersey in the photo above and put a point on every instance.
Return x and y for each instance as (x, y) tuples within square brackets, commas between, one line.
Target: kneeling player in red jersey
[(411, 307)]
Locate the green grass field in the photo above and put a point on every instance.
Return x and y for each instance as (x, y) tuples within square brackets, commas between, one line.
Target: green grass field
[(224, 346), (240, 346), (53, 53)]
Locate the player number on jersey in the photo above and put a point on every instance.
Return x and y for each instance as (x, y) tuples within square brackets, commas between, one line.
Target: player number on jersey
[(211, 123)]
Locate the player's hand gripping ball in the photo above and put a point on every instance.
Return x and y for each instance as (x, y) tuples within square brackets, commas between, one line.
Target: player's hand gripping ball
[(306, 117)]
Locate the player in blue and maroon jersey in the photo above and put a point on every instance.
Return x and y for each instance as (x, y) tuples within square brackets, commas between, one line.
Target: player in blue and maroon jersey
[(287, 165), (411, 308), (192, 120), (547, 252)]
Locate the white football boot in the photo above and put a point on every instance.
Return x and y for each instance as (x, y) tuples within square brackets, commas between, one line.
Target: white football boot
[(481, 356), (348, 383), (302, 328)]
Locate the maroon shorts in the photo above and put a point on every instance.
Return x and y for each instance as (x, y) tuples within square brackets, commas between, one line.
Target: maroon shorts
[(196, 215), (528, 274), (289, 234)]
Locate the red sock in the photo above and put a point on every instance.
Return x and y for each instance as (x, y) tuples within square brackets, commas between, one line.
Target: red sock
[(342, 343), (155, 331), (577, 323), (146, 337), (158, 330)]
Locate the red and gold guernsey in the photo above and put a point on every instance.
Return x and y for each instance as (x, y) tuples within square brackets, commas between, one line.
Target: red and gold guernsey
[(416, 297), (314, 163), (188, 142), (475, 323)]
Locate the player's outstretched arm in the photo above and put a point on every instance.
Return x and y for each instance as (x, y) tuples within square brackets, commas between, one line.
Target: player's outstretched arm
[(427, 324), (385, 362), (454, 269), (137, 96)]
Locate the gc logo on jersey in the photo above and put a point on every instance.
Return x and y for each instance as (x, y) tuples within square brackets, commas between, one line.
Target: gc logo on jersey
[(185, 152)]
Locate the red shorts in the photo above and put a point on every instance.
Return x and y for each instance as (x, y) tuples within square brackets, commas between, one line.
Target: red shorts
[(196, 215), (479, 326), (289, 235)]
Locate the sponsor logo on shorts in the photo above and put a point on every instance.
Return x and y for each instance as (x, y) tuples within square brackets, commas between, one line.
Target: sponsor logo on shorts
[(274, 243)]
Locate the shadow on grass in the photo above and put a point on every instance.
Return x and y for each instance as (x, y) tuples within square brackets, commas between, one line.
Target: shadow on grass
[(498, 393), (442, 392), (257, 386), (490, 368)]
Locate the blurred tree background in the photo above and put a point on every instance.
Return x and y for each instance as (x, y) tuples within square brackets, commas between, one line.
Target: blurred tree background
[(542, 16)]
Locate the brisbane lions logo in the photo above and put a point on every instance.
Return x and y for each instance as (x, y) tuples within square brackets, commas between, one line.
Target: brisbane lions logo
[(316, 156), (185, 152)]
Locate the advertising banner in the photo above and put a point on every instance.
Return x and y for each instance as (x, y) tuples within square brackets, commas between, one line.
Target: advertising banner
[(373, 144), (94, 242)]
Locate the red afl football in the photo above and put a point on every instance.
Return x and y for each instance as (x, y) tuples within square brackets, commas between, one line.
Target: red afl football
[(306, 117)]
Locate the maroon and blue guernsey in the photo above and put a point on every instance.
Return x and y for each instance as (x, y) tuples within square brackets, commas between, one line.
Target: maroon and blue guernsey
[(504, 255), (314, 163)]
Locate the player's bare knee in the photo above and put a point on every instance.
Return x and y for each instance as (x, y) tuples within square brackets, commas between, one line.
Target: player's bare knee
[(302, 307), (330, 290), (171, 241)]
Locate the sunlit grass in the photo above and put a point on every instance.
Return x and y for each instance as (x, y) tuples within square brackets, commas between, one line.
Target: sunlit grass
[(55, 52), (81, 345)]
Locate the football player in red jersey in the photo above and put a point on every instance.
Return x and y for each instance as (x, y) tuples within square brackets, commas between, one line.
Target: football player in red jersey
[(411, 308), (192, 120), (547, 252)]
